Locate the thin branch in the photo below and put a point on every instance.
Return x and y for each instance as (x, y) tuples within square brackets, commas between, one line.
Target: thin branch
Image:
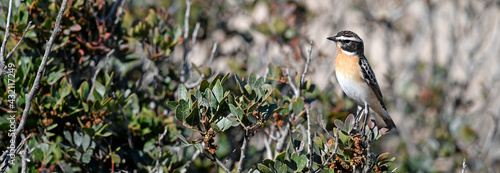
[(334, 153), (20, 40), (100, 65), (39, 74), (463, 166), (197, 82), (296, 91), (267, 144), (308, 60), (369, 160), (185, 65), (216, 160), (7, 34), (119, 15), (281, 141), (25, 157), (130, 142), (212, 55), (5, 38), (244, 146), (160, 151), (195, 155), (310, 140)]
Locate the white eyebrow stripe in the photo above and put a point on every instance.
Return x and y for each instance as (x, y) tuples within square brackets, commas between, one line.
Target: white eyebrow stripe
[(348, 38)]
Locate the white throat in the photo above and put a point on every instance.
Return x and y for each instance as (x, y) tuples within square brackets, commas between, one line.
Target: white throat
[(348, 53)]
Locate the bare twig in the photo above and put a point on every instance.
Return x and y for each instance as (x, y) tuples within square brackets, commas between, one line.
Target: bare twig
[(216, 160), (369, 160), (130, 142), (4, 42), (36, 83), (310, 139), (20, 41), (197, 82), (296, 92), (280, 142), (195, 155), (25, 157), (119, 15), (185, 68), (100, 65), (160, 151), (463, 166), (334, 153), (244, 146), (6, 36), (212, 55), (308, 60)]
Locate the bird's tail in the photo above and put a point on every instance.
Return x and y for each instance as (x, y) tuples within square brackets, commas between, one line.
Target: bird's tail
[(386, 117)]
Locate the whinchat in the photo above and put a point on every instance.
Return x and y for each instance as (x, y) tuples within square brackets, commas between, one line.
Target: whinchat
[(356, 77)]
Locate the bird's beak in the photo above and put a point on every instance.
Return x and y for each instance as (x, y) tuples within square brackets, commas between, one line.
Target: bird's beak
[(332, 39)]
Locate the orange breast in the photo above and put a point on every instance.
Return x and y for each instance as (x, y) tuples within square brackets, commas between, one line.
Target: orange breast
[(348, 66)]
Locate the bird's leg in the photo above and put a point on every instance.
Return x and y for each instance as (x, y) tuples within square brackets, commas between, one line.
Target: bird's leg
[(359, 114), (367, 111)]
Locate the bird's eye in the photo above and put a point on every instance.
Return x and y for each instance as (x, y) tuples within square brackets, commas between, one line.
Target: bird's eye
[(347, 41)]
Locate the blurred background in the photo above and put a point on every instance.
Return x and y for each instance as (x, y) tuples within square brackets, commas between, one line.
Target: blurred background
[(436, 63)]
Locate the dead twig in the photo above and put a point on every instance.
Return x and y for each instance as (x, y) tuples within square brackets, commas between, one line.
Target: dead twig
[(36, 83)]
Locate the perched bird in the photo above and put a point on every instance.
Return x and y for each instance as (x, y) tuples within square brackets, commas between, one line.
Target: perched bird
[(356, 77)]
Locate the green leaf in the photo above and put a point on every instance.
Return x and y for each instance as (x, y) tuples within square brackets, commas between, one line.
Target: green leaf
[(51, 127), (77, 138), (218, 91), (383, 156), (340, 125), (193, 118), (87, 156), (258, 83), (252, 107), (67, 136), (236, 111), (281, 157), (104, 127), (89, 131), (204, 85), (182, 110), (251, 79), (224, 124), (216, 78), (86, 142), (65, 167), (239, 83), (172, 105), (99, 88), (84, 90), (263, 169), (224, 78), (268, 162), (182, 93), (298, 106), (54, 77), (278, 72), (215, 127), (318, 142), (181, 137), (343, 137), (301, 164), (349, 123)]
